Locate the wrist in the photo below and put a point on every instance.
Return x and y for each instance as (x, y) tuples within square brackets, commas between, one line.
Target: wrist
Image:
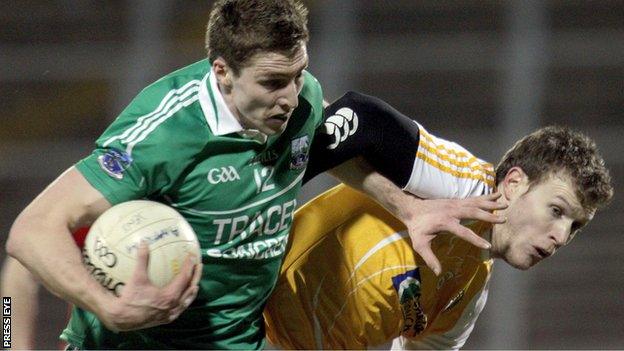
[(99, 300)]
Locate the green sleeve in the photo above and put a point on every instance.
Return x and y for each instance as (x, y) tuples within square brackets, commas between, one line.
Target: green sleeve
[(148, 146)]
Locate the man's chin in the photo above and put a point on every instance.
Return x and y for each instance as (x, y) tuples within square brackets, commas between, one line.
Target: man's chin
[(280, 130), (521, 263)]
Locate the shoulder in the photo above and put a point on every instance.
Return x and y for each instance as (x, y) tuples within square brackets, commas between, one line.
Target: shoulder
[(178, 86), (164, 113)]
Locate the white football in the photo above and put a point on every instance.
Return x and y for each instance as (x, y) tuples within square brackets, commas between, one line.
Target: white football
[(112, 243)]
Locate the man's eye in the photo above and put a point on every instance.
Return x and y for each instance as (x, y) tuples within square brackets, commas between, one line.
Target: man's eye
[(273, 84), (556, 211)]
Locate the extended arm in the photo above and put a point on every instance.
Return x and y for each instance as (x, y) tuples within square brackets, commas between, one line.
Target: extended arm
[(360, 125), (424, 219), (41, 240)]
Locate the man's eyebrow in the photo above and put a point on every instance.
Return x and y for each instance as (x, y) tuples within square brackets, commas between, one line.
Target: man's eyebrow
[(564, 200), (584, 220), (568, 203), (283, 75)]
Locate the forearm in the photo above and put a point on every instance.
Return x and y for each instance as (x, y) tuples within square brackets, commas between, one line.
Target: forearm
[(49, 252), (21, 286), (398, 148), (361, 125), (360, 175)]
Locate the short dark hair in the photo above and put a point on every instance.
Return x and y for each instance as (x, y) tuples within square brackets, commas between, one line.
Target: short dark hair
[(238, 29), (554, 148)]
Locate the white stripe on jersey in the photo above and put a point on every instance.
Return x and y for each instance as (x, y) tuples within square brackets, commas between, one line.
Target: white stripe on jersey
[(380, 245), (171, 98), (444, 169), (157, 122), (257, 203), (172, 102)]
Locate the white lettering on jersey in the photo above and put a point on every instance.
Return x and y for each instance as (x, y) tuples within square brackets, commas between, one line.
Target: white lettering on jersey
[(263, 179), (274, 220), (258, 250), (222, 175), (341, 125)]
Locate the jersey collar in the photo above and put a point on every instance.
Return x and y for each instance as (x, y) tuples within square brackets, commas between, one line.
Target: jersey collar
[(219, 117)]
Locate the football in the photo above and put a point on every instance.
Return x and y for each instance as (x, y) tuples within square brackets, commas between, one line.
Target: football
[(111, 246)]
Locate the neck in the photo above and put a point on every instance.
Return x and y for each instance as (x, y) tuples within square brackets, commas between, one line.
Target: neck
[(492, 237)]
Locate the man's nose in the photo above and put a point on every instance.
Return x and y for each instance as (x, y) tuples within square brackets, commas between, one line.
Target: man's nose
[(289, 97), (560, 235)]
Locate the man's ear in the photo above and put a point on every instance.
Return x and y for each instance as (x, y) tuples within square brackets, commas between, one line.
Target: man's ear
[(223, 72), (515, 183)]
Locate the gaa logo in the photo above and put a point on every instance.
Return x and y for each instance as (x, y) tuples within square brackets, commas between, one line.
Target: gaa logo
[(222, 175)]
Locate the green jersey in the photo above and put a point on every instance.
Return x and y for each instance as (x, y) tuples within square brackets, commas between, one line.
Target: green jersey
[(178, 143)]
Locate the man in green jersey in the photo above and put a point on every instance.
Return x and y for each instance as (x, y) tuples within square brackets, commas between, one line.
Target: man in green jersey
[(225, 141)]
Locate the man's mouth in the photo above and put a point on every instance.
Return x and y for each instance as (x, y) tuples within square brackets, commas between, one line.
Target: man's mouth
[(282, 118), (542, 252)]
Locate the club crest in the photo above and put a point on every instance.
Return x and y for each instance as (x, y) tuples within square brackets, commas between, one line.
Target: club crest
[(114, 162), (408, 288), (299, 148)]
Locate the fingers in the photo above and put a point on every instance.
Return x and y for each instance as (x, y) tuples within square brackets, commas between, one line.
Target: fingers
[(146, 305), (186, 300), (480, 208), (197, 273), (468, 235), (491, 205), (488, 202), (490, 197), (481, 215), (189, 295), (183, 305), (142, 262), (183, 280), (428, 256)]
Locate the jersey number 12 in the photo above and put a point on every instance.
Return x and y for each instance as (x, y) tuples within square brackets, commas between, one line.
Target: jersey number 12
[(263, 179)]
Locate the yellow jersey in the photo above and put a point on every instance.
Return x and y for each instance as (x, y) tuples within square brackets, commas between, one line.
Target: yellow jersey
[(351, 280)]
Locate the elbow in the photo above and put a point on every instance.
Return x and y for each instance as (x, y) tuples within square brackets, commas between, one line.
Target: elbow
[(16, 239), (12, 244)]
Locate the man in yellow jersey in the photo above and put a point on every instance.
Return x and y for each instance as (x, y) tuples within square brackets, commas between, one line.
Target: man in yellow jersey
[(352, 280)]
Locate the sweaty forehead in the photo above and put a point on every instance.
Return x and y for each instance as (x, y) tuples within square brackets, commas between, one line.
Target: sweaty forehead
[(279, 63)]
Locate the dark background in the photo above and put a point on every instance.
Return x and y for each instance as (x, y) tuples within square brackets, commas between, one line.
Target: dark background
[(481, 73)]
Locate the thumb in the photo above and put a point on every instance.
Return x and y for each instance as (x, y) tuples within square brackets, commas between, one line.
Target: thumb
[(142, 262), (430, 258)]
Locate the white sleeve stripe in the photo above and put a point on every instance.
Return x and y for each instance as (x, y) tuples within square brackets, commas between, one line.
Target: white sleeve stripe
[(472, 162), (471, 168), (171, 105), (446, 148), (443, 169), (451, 147), (474, 165), (159, 121), (142, 123), (479, 175)]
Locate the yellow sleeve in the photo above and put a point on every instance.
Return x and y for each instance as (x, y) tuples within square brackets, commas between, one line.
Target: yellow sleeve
[(444, 169)]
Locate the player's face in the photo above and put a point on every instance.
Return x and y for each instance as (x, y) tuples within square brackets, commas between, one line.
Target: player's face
[(540, 219), (266, 91)]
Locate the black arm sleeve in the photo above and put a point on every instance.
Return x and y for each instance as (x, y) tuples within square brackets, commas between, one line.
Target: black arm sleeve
[(362, 125)]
